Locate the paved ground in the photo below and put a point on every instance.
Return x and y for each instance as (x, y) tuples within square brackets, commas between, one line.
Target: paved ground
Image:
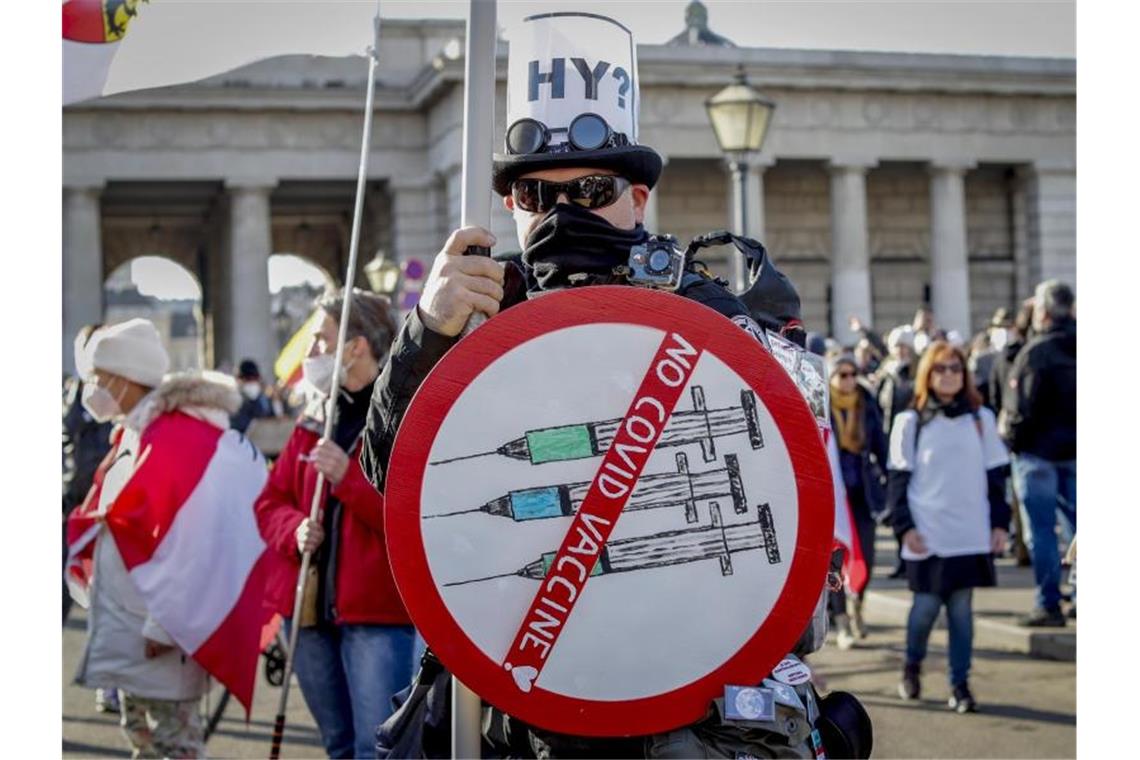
[(1028, 704), (87, 733)]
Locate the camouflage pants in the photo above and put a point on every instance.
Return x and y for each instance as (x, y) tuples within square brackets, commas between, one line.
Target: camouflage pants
[(158, 728)]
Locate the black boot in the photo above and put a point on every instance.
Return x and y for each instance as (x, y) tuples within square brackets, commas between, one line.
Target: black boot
[(962, 701), (1043, 618), (910, 687)]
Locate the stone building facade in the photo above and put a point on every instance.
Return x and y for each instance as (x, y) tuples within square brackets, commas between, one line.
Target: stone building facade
[(887, 179)]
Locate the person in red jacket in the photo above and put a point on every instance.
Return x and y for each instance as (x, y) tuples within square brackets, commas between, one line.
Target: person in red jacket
[(355, 646)]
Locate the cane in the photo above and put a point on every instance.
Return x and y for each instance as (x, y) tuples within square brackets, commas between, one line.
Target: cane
[(330, 414)]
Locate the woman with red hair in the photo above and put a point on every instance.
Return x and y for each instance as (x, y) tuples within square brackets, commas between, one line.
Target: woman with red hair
[(946, 491)]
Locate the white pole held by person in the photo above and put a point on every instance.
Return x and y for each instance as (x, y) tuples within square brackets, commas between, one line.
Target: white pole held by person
[(330, 410), (478, 144)]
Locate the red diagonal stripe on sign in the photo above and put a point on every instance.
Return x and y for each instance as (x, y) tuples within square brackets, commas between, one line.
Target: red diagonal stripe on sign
[(652, 406)]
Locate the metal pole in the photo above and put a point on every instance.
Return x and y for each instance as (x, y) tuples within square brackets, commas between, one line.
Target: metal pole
[(478, 136), (478, 125), (739, 169), (330, 409)]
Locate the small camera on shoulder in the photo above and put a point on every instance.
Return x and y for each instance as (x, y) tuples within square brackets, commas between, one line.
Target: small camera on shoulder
[(657, 263)]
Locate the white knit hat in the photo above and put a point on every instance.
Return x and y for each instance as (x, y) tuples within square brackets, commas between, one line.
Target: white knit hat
[(131, 349), (902, 335)]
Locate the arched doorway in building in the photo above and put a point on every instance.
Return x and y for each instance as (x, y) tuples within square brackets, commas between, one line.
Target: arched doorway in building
[(166, 293), (294, 284)]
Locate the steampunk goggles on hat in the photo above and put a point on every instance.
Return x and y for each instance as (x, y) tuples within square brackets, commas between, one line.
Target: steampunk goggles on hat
[(592, 191), (588, 131)]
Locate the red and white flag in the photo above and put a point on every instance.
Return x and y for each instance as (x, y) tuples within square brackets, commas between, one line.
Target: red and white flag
[(83, 527), (112, 46), (185, 527), (855, 568)]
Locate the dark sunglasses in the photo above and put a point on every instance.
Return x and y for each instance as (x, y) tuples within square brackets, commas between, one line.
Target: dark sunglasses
[(592, 191), (845, 375), (588, 131), (940, 369)]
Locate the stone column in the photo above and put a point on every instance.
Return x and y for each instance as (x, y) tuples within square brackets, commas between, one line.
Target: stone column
[(82, 264), (753, 168), (1051, 199), (416, 217), (850, 257), (249, 246), (949, 257), (652, 220), (754, 182)]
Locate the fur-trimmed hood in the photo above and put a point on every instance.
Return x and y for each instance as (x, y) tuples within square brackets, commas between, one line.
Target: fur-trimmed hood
[(213, 396)]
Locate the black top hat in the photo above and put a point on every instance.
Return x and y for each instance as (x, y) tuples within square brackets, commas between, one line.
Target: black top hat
[(638, 163)]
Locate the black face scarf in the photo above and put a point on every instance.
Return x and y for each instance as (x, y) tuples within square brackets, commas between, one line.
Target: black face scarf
[(956, 407), (574, 246)]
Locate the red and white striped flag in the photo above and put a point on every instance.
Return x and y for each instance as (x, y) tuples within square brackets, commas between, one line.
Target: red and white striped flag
[(185, 527), (112, 46), (855, 568)]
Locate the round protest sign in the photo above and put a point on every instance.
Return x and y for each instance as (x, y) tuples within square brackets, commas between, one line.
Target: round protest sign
[(606, 504)]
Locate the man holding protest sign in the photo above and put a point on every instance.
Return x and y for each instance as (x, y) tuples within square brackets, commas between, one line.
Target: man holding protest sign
[(577, 183)]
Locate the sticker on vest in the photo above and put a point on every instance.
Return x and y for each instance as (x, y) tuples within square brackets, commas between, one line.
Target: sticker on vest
[(749, 703), (791, 671)]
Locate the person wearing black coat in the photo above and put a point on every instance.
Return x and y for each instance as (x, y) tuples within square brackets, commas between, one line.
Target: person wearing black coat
[(1039, 423), (862, 443)]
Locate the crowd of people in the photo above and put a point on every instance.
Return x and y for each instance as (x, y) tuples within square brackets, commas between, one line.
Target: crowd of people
[(923, 438), (997, 449), (926, 429)]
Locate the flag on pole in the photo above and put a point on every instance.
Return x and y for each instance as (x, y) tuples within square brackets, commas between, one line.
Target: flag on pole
[(287, 367), (185, 527), (112, 46)]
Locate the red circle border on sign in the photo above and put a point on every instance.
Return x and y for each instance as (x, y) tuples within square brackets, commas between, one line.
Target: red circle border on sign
[(593, 305)]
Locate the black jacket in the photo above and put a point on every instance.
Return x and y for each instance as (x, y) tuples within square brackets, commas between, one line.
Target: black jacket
[(867, 470), (997, 381), (896, 391), (1039, 406), (85, 443)]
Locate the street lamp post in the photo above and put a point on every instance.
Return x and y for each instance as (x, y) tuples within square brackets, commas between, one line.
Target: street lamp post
[(740, 117), (383, 275)]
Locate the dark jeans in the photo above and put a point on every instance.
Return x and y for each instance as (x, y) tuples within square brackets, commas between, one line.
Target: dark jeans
[(348, 674), (1046, 488), (960, 621)]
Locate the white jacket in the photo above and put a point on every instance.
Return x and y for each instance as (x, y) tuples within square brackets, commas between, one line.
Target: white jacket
[(117, 621)]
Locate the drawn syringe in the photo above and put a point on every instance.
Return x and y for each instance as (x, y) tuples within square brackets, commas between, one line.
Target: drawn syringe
[(714, 541), (670, 489), (590, 439)]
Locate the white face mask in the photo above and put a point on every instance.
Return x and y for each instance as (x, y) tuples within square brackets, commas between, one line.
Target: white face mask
[(99, 403), (318, 371), (251, 390), (999, 337)]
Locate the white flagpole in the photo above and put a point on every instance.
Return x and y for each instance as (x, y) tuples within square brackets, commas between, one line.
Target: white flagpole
[(330, 409), (478, 137)]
